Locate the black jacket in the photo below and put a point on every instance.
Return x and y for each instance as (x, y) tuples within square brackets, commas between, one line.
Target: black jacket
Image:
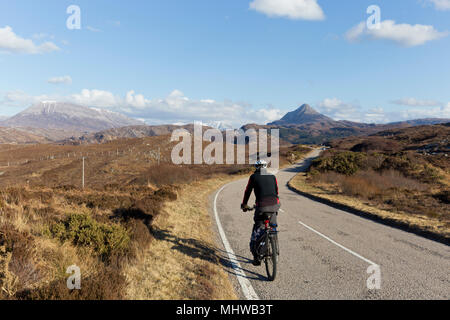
[(266, 189)]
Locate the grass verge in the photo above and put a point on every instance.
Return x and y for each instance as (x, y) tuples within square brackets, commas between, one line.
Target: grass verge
[(183, 262), (421, 224)]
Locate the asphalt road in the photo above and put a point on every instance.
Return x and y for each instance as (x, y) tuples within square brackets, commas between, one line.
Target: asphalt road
[(326, 252)]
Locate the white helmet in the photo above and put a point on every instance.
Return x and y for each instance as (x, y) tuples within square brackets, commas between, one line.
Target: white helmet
[(261, 164)]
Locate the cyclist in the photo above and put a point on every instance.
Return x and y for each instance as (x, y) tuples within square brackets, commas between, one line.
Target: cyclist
[(265, 186)]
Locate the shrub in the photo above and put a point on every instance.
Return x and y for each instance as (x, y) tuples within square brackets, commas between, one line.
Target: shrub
[(347, 163), (377, 144), (443, 196), (101, 201), (400, 162), (21, 254), (166, 193), (108, 284), (83, 230), (430, 174)]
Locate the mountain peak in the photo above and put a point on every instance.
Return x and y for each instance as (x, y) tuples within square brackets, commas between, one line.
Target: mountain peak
[(306, 109), (68, 116), (304, 114)]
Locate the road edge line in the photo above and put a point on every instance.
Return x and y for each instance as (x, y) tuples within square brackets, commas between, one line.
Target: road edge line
[(245, 284)]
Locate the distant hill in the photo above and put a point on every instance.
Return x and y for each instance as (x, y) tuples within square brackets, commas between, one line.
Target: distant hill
[(128, 132), (307, 126), (428, 139), (70, 117), (20, 136)]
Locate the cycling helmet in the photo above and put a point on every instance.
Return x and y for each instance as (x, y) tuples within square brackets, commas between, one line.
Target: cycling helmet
[(261, 164)]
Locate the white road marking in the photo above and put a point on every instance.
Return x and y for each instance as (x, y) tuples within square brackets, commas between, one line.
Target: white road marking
[(246, 286), (337, 244)]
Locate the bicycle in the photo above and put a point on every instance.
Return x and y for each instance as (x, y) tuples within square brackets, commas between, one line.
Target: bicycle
[(267, 246)]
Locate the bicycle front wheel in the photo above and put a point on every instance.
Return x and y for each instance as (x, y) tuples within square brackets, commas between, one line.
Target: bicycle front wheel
[(271, 259)]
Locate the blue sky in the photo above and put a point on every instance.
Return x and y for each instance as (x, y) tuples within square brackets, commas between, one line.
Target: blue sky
[(236, 61)]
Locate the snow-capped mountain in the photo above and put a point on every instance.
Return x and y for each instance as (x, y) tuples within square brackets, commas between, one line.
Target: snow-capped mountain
[(67, 116), (221, 125)]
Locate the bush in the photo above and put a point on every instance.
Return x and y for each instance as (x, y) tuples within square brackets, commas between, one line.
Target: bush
[(108, 284), (21, 255), (101, 201), (430, 174), (347, 163), (403, 162), (83, 230), (443, 196)]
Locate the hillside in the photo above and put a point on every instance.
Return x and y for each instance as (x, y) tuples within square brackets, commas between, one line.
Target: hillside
[(11, 135), (427, 140), (403, 173), (128, 132), (129, 218)]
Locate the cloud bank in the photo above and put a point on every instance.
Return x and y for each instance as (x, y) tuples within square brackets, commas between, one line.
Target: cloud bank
[(12, 43), (340, 110), (175, 108)]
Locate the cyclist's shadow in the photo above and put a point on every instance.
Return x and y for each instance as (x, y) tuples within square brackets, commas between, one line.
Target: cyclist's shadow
[(201, 250)]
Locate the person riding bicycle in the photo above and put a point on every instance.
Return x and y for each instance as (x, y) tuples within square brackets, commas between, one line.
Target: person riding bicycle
[(265, 186)]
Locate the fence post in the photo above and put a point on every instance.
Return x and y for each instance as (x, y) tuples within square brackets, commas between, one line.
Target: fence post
[(83, 174)]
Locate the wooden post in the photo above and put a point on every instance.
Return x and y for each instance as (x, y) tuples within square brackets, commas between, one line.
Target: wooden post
[(159, 155), (83, 174)]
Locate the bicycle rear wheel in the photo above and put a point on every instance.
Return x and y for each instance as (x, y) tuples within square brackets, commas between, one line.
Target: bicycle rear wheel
[(271, 259)]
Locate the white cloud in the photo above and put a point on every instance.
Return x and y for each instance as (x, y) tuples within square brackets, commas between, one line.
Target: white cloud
[(96, 98), (12, 43), (18, 99), (177, 108), (292, 9), (435, 112), (404, 34), (413, 102), (440, 4), (60, 80), (339, 110), (93, 29)]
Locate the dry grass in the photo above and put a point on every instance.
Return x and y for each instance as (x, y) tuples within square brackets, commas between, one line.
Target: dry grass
[(48, 223), (183, 261), (43, 231)]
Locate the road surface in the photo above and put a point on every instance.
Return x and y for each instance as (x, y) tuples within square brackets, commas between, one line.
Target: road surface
[(326, 253)]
